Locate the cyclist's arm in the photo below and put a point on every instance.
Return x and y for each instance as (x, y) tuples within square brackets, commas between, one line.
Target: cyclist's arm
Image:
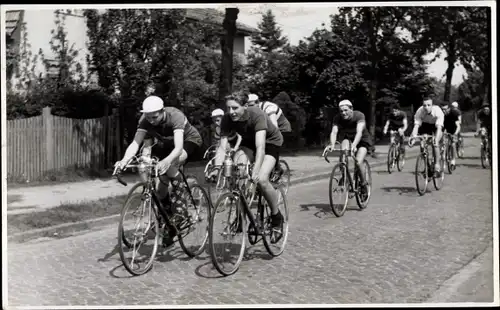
[(178, 145), (134, 146), (439, 126), (405, 124), (359, 132), (146, 150), (333, 135), (386, 126), (458, 123), (238, 141), (260, 148), (478, 123)]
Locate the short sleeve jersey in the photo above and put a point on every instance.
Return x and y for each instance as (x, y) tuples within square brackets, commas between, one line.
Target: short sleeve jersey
[(271, 108), (451, 118), (252, 121), (435, 117), (174, 120), (349, 126), (484, 120), (396, 121)]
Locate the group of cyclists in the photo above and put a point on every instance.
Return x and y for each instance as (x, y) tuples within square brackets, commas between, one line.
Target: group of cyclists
[(254, 129)]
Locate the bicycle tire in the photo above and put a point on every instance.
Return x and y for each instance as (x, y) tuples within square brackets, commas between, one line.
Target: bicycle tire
[(242, 218), (449, 153), (401, 160), (253, 238), (129, 194), (362, 204), (285, 176), (460, 147), (421, 191), (483, 157), (155, 228), (391, 158), (344, 178), (268, 244), (193, 251)]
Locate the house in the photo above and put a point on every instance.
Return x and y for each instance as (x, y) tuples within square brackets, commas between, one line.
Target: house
[(34, 27)]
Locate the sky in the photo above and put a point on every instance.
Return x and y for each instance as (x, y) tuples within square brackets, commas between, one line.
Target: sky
[(298, 21)]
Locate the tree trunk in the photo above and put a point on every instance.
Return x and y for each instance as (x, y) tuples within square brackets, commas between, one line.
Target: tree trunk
[(373, 106), (227, 41), (451, 59)]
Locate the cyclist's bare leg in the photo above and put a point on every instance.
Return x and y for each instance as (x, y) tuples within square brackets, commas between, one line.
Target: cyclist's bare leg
[(241, 160), (360, 158), (266, 187), (171, 174), (437, 166), (453, 148), (393, 138)]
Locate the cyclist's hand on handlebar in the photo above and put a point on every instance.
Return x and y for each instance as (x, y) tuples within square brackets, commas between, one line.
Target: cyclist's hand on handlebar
[(401, 131), (330, 148), (146, 159)]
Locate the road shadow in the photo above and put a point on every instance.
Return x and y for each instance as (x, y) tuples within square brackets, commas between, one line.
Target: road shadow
[(107, 256), (124, 274), (324, 210), (470, 157), (402, 190), (207, 271), (474, 166), (12, 198)]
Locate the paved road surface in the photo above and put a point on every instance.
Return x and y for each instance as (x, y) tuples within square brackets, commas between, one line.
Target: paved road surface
[(400, 249)]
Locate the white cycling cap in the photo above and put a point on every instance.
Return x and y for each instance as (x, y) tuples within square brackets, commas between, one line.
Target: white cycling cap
[(454, 104), (217, 112), (253, 97), (345, 102), (152, 104)]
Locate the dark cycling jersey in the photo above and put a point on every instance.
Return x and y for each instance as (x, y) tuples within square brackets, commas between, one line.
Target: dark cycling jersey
[(173, 119), (347, 128), (252, 121), (396, 121), (484, 120), (450, 120)]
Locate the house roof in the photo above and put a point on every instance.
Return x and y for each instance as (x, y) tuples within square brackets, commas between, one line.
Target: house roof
[(12, 19), (217, 17)]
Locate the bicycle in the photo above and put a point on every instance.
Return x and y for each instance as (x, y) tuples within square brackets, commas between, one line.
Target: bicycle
[(485, 150), (281, 178), (234, 223), (158, 218), (352, 187), (428, 169), (448, 145), (394, 155)]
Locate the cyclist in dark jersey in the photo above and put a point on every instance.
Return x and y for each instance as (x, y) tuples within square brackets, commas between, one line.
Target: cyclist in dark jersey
[(350, 125), (177, 140), (261, 143), (451, 123), (397, 121), (483, 117)]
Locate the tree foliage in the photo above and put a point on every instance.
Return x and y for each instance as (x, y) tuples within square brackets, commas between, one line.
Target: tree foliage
[(270, 38)]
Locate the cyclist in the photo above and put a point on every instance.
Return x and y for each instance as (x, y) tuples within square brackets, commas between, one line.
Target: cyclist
[(260, 144), (277, 117), (397, 121), (483, 118), (451, 125), (456, 106), (350, 125), (177, 141), (429, 119)]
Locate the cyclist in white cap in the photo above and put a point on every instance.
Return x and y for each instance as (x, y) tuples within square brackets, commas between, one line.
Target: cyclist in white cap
[(177, 141), (350, 125)]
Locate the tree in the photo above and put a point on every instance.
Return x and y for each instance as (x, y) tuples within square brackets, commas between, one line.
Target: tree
[(269, 38), (436, 28), (226, 43), (470, 91)]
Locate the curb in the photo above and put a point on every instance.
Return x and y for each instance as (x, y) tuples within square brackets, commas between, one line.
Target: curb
[(64, 230)]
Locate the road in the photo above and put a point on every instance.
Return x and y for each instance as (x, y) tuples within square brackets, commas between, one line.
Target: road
[(402, 249)]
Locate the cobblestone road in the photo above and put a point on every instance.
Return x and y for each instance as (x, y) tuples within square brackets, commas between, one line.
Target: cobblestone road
[(398, 250)]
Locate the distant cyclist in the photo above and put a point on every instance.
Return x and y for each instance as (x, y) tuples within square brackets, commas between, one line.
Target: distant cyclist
[(452, 126), (429, 119), (398, 122), (484, 121)]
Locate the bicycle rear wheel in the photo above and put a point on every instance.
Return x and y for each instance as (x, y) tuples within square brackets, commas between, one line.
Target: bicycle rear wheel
[(275, 239), (484, 157), (194, 228), (228, 222), (421, 171), (338, 187), (144, 229), (363, 196), (391, 158), (284, 180), (449, 157)]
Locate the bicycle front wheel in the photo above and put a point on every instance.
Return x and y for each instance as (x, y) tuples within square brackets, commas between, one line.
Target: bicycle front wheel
[(401, 159), (275, 238), (449, 158), (484, 157), (194, 227), (338, 189), (460, 147), (284, 180), (391, 158), (227, 234), (438, 181), (421, 175), (143, 229)]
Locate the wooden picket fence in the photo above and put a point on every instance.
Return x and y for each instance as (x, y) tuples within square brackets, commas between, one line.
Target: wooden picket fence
[(46, 143)]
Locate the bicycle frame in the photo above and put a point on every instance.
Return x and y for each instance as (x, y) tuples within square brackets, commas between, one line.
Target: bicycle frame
[(343, 160)]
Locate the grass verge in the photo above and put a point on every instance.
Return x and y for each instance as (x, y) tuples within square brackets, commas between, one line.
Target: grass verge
[(65, 213)]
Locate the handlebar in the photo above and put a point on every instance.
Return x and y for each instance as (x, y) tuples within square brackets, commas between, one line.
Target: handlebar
[(326, 151), (209, 150), (139, 163), (420, 137)]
